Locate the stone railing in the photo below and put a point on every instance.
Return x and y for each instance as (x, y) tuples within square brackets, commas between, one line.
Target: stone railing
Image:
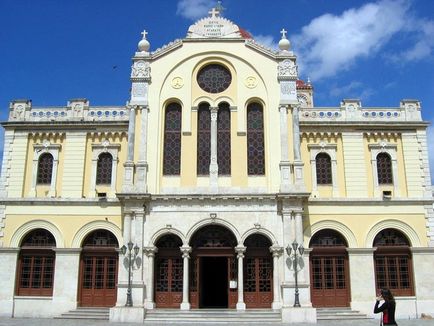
[(351, 111), (76, 110)]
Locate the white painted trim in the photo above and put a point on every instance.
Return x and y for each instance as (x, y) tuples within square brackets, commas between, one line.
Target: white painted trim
[(268, 234), (38, 150), (330, 150), (391, 150), (97, 150), (167, 230), (213, 221), (93, 226), (37, 224), (393, 224)]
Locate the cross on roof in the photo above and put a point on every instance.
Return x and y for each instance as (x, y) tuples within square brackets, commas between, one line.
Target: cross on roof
[(214, 12), (283, 32), (144, 33)]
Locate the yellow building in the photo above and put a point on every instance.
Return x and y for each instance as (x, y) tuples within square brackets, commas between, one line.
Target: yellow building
[(218, 165)]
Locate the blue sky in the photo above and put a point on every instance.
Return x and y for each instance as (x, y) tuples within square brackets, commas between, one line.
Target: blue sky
[(378, 51)]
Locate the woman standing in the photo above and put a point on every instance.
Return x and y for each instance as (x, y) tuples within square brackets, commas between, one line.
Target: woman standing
[(387, 308)]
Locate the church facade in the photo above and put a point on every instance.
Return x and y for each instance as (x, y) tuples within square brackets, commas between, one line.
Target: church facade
[(227, 186)]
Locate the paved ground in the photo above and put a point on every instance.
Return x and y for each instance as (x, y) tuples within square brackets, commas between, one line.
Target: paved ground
[(65, 322)]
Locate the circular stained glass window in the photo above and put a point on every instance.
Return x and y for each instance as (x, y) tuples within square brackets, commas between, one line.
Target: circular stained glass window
[(214, 78)]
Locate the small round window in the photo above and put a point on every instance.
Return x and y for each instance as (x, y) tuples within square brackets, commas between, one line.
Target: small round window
[(214, 78)]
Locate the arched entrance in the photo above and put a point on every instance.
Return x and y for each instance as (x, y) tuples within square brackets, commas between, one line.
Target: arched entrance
[(168, 272), (98, 270), (258, 272), (213, 271), (329, 273)]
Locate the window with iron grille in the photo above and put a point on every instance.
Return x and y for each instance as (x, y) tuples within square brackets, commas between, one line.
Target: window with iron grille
[(384, 169), (255, 140), (45, 169), (172, 140), (36, 264), (224, 139), (323, 169), (203, 139), (104, 169), (393, 263), (214, 78)]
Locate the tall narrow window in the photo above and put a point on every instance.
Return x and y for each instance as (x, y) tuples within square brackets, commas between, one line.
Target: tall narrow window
[(393, 262), (224, 139), (172, 140), (384, 169), (255, 140), (36, 264), (104, 169), (203, 139), (323, 169), (45, 169)]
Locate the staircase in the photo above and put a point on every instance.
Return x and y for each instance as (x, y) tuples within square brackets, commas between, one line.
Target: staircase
[(86, 313), (344, 313), (204, 316)]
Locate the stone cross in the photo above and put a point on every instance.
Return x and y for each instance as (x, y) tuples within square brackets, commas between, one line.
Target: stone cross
[(214, 12), (144, 33), (283, 32)]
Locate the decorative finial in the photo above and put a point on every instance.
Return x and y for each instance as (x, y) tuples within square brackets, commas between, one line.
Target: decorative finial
[(284, 43), (144, 44), (308, 81), (214, 12)]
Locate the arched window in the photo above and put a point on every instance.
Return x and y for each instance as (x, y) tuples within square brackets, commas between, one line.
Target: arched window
[(393, 262), (104, 169), (384, 169), (224, 139), (36, 264), (203, 139), (255, 140), (45, 169), (323, 169), (172, 140)]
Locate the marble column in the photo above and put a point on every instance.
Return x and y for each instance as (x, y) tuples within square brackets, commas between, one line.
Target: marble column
[(240, 255), (276, 252), (185, 305), (150, 253), (298, 217), (142, 164), (213, 167), (128, 181), (285, 166), (298, 164)]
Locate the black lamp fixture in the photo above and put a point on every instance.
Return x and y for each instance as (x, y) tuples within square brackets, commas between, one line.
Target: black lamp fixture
[(292, 250), (131, 259)]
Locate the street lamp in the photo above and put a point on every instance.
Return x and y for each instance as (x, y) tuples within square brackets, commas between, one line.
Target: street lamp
[(131, 261), (295, 247)]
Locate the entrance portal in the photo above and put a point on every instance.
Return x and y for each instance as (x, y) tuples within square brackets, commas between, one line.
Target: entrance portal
[(214, 285)]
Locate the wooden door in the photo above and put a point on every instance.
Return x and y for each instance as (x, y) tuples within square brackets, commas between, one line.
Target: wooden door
[(98, 279), (258, 281), (168, 281), (329, 280)]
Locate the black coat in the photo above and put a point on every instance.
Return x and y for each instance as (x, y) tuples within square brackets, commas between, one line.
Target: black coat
[(388, 310)]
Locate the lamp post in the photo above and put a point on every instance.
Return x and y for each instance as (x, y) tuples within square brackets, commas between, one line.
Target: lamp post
[(293, 248), (131, 261)]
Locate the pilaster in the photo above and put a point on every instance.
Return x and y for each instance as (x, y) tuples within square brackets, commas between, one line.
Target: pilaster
[(213, 167)]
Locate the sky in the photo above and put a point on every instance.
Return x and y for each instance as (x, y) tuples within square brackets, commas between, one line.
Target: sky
[(378, 51)]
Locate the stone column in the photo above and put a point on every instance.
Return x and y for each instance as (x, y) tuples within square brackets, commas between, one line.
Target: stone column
[(127, 227), (285, 166), (128, 181), (240, 255), (298, 164), (142, 164), (298, 217), (213, 167), (8, 274), (335, 190), (185, 305), (149, 301), (52, 192), (276, 252)]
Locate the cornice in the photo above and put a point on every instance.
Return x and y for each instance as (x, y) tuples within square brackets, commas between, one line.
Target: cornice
[(369, 201), (60, 201)]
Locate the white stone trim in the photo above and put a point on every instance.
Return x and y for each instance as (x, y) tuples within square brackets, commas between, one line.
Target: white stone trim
[(38, 150), (167, 230), (37, 224), (213, 221), (390, 149), (97, 150), (93, 226), (393, 224), (330, 150), (259, 230), (349, 236)]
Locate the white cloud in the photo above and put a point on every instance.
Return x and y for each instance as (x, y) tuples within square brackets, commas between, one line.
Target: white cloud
[(194, 9), (355, 89), (423, 31), (332, 43), (266, 40)]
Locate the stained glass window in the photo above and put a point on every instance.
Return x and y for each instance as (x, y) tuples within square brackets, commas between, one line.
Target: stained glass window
[(384, 169), (214, 78), (45, 168), (172, 140), (101, 238), (255, 140), (327, 238), (224, 139), (104, 169), (323, 169), (203, 139)]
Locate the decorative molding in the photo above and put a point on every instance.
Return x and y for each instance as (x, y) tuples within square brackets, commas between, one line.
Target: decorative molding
[(33, 225), (349, 236), (93, 226), (330, 150), (393, 224)]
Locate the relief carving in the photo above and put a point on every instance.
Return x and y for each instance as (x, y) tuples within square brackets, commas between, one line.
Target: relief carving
[(287, 68), (140, 69)]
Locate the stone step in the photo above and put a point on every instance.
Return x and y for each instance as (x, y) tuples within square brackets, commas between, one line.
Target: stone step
[(339, 313), (94, 313)]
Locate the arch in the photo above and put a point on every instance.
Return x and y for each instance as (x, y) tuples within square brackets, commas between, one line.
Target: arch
[(96, 235), (221, 99), (203, 99), (269, 235), (45, 168), (19, 234), (255, 100), (171, 100), (334, 225), (93, 226), (212, 221), (104, 168), (165, 231), (406, 229)]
